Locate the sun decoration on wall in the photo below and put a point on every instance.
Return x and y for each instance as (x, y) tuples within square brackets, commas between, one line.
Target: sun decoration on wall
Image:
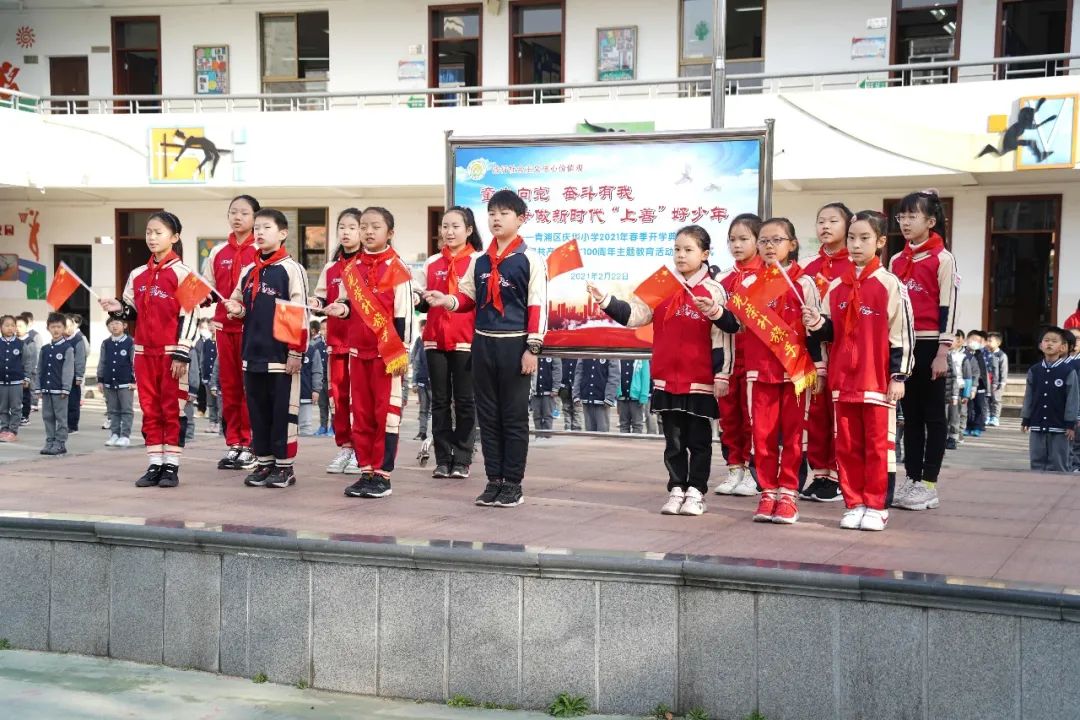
[(24, 36)]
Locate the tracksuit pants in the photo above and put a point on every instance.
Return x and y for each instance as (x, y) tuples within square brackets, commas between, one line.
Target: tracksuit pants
[(11, 407), (324, 406), (1049, 451), (735, 436), (74, 411), (453, 407), (502, 405), (776, 410), (820, 451), (631, 417), (977, 412), (162, 399), (423, 396), (925, 428), (234, 409), (866, 453), (27, 402), (273, 400), (597, 418), (687, 450), (572, 419), (54, 414), (997, 398), (376, 415), (340, 391), (543, 408), (119, 407)]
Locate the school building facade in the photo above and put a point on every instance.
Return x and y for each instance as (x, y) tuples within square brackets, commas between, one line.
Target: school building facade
[(317, 106)]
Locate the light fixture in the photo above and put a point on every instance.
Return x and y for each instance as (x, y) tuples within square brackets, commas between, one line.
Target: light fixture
[(757, 8), (104, 240)]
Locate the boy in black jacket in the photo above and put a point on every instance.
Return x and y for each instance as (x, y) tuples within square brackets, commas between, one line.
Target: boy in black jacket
[(116, 380), (1051, 403), (16, 368), (56, 373)]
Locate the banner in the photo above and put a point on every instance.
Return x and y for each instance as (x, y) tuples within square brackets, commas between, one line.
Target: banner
[(622, 197)]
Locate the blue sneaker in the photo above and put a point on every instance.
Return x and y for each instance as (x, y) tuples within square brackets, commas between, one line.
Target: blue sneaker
[(977, 433)]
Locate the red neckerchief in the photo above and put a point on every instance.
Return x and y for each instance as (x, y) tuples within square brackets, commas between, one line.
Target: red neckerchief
[(370, 261), (451, 265), (932, 244), (153, 269), (855, 279), (494, 289), (828, 260), (253, 277), (238, 248), (743, 269), (687, 293)]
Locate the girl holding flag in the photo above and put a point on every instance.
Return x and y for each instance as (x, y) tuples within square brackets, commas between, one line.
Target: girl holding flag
[(164, 336), (376, 297), (691, 361)]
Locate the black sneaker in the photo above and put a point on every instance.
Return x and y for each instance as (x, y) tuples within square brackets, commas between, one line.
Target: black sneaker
[(59, 449), (229, 461), (487, 498), (377, 487), (509, 495), (25, 421), (459, 472), (828, 492), (259, 476), (150, 478), (170, 476), (420, 436), (950, 444), (48, 449), (808, 492), (282, 477), (361, 486), (442, 470)]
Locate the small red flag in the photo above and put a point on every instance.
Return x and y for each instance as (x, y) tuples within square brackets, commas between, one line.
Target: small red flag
[(563, 259), (396, 273), (65, 282), (192, 291), (658, 287), (289, 319)]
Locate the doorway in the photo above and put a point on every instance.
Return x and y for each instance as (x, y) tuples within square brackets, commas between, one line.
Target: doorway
[(78, 258), (1021, 271), (1032, 27), (136, 43), (434, 229), (69, 76)]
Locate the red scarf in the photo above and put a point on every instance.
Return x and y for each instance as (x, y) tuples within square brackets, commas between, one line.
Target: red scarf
[(855, 279), (932, 244), (253, 277), (153, 269), (494, 287), (369, 262), (451, 265), (238, 247)]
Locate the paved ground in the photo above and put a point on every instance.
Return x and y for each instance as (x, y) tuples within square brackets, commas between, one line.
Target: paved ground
[(996, 520), (41, 686)]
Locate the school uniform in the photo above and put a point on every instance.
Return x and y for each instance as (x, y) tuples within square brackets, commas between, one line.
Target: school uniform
[(641, 388), (1051, 406), (929, 273), (116, 373), (207, 360), (820, 453), (222, 272), (16, 369), (327, 290), (545, 392), (631, 410), (81, 346), (323, 389), (194, 373), (311, 381), (32, 348), (422, 381), (56, 371), (999, 372), (954, 389), (977, 382), (448, 338), (572, 419), (596, 385), (273, 395), (164, 333), (868, 321)]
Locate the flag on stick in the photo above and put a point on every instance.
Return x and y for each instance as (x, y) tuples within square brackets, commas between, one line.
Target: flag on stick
[(658, 287), (192, 291), (396, 273), (65, 283), (289, 319), (564, 258)]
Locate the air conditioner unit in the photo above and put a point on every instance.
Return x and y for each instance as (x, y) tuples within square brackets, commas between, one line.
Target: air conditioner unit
[(938, 48)]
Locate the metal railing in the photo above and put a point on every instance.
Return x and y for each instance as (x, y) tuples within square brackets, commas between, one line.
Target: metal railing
[(910, 74)]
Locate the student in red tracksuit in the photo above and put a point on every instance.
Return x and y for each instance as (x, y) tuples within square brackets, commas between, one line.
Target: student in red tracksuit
[(448, 340), (375, 380), (831, 262), (777, 412), (734, 413), (690, 366), (222, 271), (328, 290), (867, 318), (164, 336), (929, 272)]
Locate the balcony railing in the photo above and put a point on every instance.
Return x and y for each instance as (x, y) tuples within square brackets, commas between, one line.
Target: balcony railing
[(911, 74)]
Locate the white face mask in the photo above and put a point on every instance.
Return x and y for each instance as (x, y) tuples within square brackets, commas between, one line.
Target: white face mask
[(205, 334), (974, 345)]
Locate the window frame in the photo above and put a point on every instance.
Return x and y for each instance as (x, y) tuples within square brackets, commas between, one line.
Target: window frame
[(265, 79), (999, 32), (433, 42), (894, 32), (516, 5), (680, 62)]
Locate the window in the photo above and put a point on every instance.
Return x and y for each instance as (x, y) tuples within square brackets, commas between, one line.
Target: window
[(136, 57), (896, 240), (925, 31), (1032, 27), (744, 32), (454, 39), (536, 47), (295, 51)]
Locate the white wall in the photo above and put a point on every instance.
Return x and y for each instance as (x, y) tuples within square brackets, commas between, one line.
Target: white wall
[(801, 35), (658, 36)]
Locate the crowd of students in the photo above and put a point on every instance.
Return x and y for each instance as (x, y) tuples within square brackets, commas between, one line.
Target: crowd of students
[(798, 363)]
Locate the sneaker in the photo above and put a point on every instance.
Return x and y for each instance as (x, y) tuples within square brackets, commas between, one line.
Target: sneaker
[(734, 477), (106, 424), (281, 477), (787, 508), (875, 520), (674, 502), (112, 440), (950, 444), (420, 436), (229, 461), (853, 518), (442, 470), (459, 472), (246, 460), (25, 421), (747, 487), (828, 491), (766, 506), (922, 496), (47, 450), (994, 422), (73, 432), (969, 433), (694, 503), (377, 487), (509, 496), (211, 429), (808, 492), (151, 477), (901, 490), (352, 468), (340, 461), (491, 492), (123, 442), (60, 449), (360, 487), (170, 476), (259, 476), (977, 433)]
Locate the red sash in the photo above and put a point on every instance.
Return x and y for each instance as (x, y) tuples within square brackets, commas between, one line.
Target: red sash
[(375, 316)]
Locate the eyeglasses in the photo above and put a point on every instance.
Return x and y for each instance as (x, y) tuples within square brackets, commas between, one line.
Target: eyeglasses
[(766, 241), (903, 219)]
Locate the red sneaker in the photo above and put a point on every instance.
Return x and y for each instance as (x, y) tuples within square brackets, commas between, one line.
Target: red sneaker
[(787, 509), (766, 506)]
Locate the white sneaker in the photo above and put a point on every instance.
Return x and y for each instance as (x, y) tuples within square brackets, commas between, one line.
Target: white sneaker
[(352, 468), (123, 442), (901, 490), (246, 460), (694, 504), (874, 520), (747, 487), (734, 477), (853, 518), (674, 502), (341, 460), (112, 440), (922, 496)]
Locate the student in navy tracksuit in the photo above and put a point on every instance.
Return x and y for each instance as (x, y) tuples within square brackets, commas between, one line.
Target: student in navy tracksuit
[(116, 378), (545, 393), (1051, 403), (207, 360), (16, 368), (571, 412), (631, 410), (596, 384), (56, 372), (271, 367), (311, 379), (81, 346), (422, 381), (507, 285), (31, 344)]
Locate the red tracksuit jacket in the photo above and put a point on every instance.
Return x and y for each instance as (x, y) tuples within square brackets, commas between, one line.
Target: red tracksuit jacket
[(222, 271), (932, 283), (447, 330)]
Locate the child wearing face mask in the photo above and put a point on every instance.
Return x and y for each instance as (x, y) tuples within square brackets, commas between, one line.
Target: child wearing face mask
[(977, 383)]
